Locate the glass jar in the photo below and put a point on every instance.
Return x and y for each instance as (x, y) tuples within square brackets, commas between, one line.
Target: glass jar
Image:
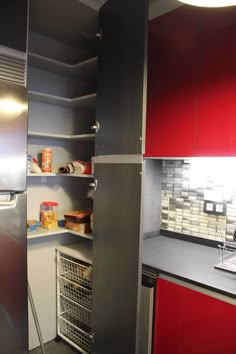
[(49, 215)]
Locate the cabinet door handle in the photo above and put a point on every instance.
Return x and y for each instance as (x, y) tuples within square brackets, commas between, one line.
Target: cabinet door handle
[(96, 127), (92, 337), (94, 185), (99, 34)]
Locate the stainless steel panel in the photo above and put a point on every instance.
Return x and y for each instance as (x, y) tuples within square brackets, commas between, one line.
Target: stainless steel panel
[(13, 275), (116, 257), (121, 89), (146, 320), (13, 137), (152, 195), (12, 69)]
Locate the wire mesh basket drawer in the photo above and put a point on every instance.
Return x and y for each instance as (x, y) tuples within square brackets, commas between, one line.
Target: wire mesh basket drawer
[(69, 327), (76, 311), (78, 293), (75, 270)]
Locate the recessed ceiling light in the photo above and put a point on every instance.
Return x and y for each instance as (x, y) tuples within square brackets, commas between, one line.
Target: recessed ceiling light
[(209, 3)]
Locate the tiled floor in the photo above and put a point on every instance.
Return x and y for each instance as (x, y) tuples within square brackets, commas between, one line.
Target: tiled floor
[(56, 348)]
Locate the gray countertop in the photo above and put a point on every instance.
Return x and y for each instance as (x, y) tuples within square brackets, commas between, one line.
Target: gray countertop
[(188, 261)]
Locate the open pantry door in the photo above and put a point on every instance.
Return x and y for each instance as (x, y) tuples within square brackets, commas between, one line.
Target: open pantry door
[(122, 66), (116, 256)]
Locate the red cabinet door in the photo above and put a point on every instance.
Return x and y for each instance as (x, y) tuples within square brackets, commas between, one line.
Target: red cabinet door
[(188, 322), (171, 94), (216, 128)]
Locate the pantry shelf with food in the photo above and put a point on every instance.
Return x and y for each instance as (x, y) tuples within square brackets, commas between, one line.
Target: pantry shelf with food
[(62, 102), (60, 230), (49, 174)]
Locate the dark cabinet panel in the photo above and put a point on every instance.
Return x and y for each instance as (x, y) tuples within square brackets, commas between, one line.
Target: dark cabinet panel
[(13, 24), (172, 95), (187, 321), (121, 91), (117, 261)]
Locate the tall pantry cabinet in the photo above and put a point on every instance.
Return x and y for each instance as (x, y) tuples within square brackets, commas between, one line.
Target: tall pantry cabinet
[(121, 104), (56, 92)]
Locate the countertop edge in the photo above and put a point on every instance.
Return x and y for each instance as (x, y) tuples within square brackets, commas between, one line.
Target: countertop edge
[(191, 281)]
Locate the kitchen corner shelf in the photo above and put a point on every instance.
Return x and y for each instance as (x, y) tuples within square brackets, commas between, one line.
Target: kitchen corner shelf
[(86, 69), (60, 230), (79, 137), (83, 102), (48, 174)]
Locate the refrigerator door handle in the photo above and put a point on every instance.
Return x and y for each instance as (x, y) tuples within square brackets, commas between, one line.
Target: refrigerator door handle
[(9, 203)]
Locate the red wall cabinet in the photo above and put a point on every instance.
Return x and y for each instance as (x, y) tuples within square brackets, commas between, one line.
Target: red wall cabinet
[(189, 322), (216, 126), (171, 105), (191, 107)]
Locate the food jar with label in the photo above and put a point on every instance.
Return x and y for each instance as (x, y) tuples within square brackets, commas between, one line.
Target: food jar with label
[(49, 215), (47, 160)]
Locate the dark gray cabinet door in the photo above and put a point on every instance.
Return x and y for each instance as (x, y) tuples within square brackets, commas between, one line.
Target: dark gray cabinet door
[(121, 90), (116, 257), (13, 24)]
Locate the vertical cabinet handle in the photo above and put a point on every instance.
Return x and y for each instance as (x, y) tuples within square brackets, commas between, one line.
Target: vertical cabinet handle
[(96, 127), (99, 34), (94, 185)]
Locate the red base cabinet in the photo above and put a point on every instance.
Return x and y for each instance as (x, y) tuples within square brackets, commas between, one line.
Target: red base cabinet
[(189, 322)]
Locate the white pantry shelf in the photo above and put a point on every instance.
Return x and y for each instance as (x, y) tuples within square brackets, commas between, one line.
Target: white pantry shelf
[(78, 137), (43, 174), (86, 69), (60, 230), (48, 174), (84, 102)]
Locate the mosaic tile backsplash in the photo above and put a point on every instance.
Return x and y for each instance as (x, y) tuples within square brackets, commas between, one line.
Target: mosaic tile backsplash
[(185, 184)]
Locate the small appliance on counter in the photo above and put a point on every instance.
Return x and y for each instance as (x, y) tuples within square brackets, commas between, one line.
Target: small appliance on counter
[(227, 251)]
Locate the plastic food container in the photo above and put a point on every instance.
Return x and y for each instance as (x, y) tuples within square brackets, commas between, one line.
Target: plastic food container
[(47, 160), (49, 215)]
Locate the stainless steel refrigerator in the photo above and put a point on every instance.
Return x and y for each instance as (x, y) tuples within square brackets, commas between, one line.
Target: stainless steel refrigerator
[(13, 240)]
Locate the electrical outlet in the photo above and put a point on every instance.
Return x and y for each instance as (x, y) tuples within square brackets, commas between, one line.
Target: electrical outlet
[(214, 208), (209, 206)]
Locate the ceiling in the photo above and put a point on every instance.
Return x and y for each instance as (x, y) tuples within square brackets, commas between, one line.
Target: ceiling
[(160, 7), (95, 4), (156, 7), (77, 22)]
